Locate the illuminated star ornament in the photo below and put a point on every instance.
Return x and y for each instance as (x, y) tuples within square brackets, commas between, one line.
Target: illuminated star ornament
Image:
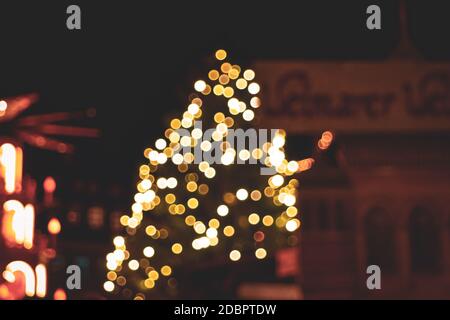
[(40, 131), (191, 213)]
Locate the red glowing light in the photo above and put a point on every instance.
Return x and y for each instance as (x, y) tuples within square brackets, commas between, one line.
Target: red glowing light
[(49, 185)]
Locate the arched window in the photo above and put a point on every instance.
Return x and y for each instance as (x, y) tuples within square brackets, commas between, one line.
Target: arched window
[(380, 239), (424, 241)]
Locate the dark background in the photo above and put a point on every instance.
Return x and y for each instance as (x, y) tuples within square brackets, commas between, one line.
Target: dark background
[(135, 61)]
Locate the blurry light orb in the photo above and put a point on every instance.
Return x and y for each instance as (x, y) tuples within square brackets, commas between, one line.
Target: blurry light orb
[(177, 248), (253, 218), (133, 265), (242, 194), (60, 294), (49, 184), (160, 144), (249, 74), (3, 105), (253, 88), (200, 85), (172, 182), (211, 233), (54, 226), (292, 225), (228, 231), (235, 255), (149, 252), (199, 227), (222, 210), (221, 54), (166, 271), (108, 286), (248, 115), (260, 253), (119, 241), (277, 180)]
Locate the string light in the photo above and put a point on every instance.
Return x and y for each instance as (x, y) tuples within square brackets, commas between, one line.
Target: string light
[(181, 192)]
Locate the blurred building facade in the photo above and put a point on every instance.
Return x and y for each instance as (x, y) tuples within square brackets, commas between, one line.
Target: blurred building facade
[(380, 195), (392, 212)]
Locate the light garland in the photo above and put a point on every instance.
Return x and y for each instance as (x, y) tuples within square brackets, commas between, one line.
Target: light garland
[(186, 196)]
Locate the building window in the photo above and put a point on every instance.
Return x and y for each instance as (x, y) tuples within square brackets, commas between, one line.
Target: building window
[(306, 212), (342, 216), (424, 241), (380, 239), (323, 216)]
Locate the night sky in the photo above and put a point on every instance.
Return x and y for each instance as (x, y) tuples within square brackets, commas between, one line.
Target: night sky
[(135, 61)]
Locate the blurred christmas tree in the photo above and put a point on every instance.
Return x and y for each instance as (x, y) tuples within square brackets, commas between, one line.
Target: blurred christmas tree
[(213, 191)]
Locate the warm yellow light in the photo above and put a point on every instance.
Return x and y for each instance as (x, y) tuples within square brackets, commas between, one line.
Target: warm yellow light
[(253, 218), (203, 189), (150, 230), (192, 203), (170, 198), (175, 124), (289, 200), (193, 108), (292, 225), (214, 223), (119, 241), (124, 220), (255, 102), (149, 284), (172, 183), (133, 265), (54, 226), (191, 186), (161, 183), (28, 273), (199, 227), (119, 255), (260, 253), (221, 54), (41, 280), (235, 255), (228, 92), (111, 275), (177, 248), (154, 275), (291, 212), (255, 195), (166, 271), (268, 220), (213, 75), (228, 231), (189, 220), (277, 180), (11, 167), (249, 75), (293, 166), (248, 115), (210, 172)]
